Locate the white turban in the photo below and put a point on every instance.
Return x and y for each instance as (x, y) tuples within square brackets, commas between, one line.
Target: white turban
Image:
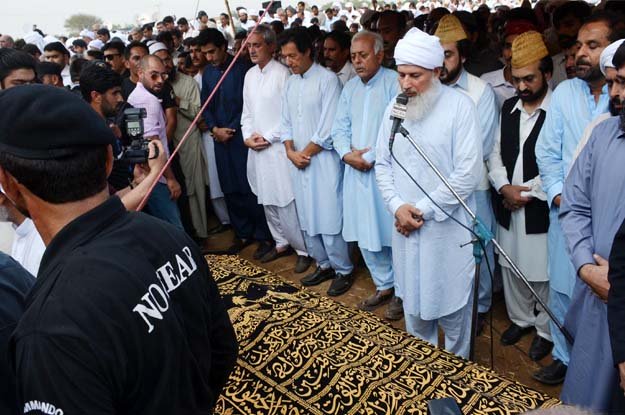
[(36, 39), (156, 47), (253, 12), (242, 10), (87, 33), (49, 39), (419, 48), (605, 61), (95, 44)]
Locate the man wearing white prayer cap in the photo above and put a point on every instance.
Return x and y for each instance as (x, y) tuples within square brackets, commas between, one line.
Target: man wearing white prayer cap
[(246, 24), (87, 35), (614, 89), (433, 265), (95, 44)]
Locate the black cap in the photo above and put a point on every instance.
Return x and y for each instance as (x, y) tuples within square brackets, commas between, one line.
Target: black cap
[(45, 122), (202, 13)]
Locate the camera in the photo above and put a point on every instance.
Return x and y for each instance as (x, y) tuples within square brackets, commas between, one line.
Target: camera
[(135, 148)]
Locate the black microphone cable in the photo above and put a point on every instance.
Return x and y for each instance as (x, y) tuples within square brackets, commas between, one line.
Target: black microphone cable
[(485, 257)]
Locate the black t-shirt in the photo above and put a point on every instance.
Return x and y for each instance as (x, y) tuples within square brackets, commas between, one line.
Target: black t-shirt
[(15, 283), (124, 319)]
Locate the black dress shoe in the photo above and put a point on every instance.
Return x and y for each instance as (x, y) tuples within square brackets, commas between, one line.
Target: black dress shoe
[(540, 348), (302, 264), (553, 374), (317, 277), (376, 300), (395, 309), (513, 334), (273, 254), (263, 249), (341, 284)]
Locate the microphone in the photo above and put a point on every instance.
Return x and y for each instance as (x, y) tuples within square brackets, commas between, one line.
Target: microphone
[(398, 115)]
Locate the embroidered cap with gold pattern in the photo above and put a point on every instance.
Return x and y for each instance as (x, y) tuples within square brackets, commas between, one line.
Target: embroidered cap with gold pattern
[(450, 29), (528, 48)]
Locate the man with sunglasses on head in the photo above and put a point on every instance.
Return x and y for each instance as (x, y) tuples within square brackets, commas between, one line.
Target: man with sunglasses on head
[(152, 77)]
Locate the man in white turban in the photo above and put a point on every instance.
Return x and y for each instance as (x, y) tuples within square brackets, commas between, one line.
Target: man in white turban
[(434, 274)]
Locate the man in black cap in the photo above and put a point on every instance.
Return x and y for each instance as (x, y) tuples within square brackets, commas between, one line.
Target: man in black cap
[(124, 317)]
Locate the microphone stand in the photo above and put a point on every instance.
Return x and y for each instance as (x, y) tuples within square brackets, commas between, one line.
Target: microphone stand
[(481, 237)]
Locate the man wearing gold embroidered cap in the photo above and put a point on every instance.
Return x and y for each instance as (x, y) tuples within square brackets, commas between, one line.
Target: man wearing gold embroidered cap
[(456, 45), (521, 209)]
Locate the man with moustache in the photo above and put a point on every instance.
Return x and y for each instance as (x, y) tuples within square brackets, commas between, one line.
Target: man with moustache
[(336, 55), (391, 25), (567, 19), (223, 119), (309, 104), (501, 79), (520, 208), (456, 45), (267, 165), (151, 79), (432, 263), (615, 85), (574, 104), (216, 194), (355, 131), (591, 213)]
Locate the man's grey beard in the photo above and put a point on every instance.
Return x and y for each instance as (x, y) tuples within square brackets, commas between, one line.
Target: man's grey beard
[(421, 105)]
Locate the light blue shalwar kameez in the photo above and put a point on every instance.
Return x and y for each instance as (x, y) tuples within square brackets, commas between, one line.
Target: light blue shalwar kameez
[(308, 107), (365, 218), (572, 108), (433, 271)]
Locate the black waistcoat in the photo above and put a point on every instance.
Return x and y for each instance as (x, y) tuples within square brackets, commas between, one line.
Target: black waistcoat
[(536, 211)]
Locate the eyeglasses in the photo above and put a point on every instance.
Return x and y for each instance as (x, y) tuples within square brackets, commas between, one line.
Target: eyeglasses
[(110, 56), (156, 75)]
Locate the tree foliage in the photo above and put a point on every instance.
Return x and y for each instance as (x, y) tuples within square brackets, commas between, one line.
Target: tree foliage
[(80, 21)]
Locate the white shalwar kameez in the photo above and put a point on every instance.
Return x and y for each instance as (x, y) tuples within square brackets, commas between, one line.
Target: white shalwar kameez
[(268, 169), (433, 272)]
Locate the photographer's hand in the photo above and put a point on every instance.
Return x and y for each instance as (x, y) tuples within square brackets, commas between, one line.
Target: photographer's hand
[(144, 175), (116, 131)]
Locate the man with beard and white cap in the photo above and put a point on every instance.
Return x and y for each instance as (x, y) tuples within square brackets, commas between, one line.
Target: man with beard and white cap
[(574, 104), (615, 86), (246, 23), (433, 265), (455, 43)]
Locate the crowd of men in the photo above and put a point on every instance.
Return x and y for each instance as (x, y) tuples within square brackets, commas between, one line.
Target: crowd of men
[(520, 108)]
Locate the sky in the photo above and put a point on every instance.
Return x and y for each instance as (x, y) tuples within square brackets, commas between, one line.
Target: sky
[(18, 16)]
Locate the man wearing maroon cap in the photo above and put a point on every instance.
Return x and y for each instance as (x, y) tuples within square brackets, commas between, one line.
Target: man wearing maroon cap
[(501, 79)]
